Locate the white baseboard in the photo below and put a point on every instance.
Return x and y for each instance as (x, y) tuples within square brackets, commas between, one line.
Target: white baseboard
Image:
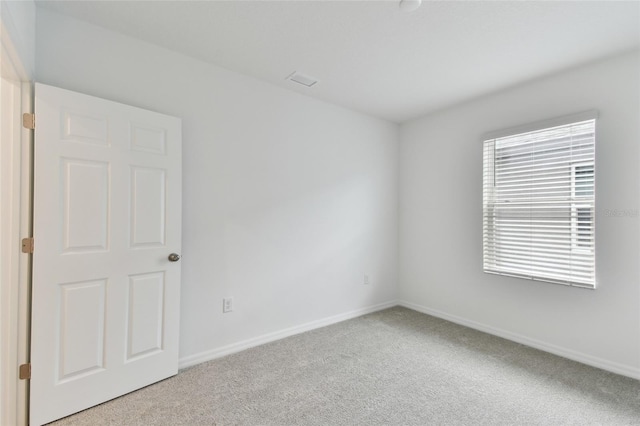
[(603, 364), (198, 358), (625, 370)]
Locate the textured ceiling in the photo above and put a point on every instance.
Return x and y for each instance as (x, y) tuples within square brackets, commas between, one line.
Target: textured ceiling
[(371, 57)]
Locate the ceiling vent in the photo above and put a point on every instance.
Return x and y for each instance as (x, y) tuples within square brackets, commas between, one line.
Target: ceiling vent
[(305, 80)]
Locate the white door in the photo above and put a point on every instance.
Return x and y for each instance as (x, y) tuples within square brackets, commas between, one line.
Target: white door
[(107, 216)]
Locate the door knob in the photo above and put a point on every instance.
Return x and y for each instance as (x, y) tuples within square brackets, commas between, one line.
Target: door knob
[(174, 257)]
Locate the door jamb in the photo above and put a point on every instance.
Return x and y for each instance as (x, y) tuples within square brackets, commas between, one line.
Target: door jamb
[(17, 192)]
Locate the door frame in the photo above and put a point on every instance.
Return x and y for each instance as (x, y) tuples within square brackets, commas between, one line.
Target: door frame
[(16, 179)]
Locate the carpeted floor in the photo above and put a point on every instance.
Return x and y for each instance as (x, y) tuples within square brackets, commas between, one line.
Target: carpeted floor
[(394, 367)]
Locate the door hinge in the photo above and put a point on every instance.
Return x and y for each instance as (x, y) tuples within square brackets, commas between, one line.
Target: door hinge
[(29, 121), (25, 372), (27, 245)]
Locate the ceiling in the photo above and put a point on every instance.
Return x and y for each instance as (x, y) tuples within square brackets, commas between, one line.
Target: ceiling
[(370, 56)]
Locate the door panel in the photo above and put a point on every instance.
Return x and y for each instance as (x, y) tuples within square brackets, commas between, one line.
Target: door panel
[(145, 319), (147, 207), (85, 217), (81, 329), (84, 128), (107, 213)]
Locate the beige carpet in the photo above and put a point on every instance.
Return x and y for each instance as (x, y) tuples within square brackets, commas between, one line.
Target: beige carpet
[(394, 367)]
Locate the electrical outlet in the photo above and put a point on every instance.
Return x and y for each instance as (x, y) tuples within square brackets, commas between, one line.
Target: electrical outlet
[(227, 305), (366, 280)]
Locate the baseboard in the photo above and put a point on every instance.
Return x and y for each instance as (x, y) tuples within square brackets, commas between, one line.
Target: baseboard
[(198, 358), (603, 364)]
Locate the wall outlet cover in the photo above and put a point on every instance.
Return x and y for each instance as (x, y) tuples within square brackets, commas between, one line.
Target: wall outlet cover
[(227, 305)]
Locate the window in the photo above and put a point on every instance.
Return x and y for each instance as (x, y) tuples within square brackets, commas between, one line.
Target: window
[(539, 204)]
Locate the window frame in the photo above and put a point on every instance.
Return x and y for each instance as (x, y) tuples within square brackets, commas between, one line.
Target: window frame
[(491, 261)]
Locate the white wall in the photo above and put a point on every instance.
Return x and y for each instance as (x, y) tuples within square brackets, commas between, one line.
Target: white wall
[(19, 22), (441, 219), (288, 201)]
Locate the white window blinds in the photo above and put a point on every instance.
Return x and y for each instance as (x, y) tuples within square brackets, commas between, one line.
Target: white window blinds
[(539, 204)]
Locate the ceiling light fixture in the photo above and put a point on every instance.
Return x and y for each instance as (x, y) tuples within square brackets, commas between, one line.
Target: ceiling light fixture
[(409, 5)]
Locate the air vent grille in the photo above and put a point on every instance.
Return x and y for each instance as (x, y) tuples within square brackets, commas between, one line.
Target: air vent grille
[(305, 80)]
